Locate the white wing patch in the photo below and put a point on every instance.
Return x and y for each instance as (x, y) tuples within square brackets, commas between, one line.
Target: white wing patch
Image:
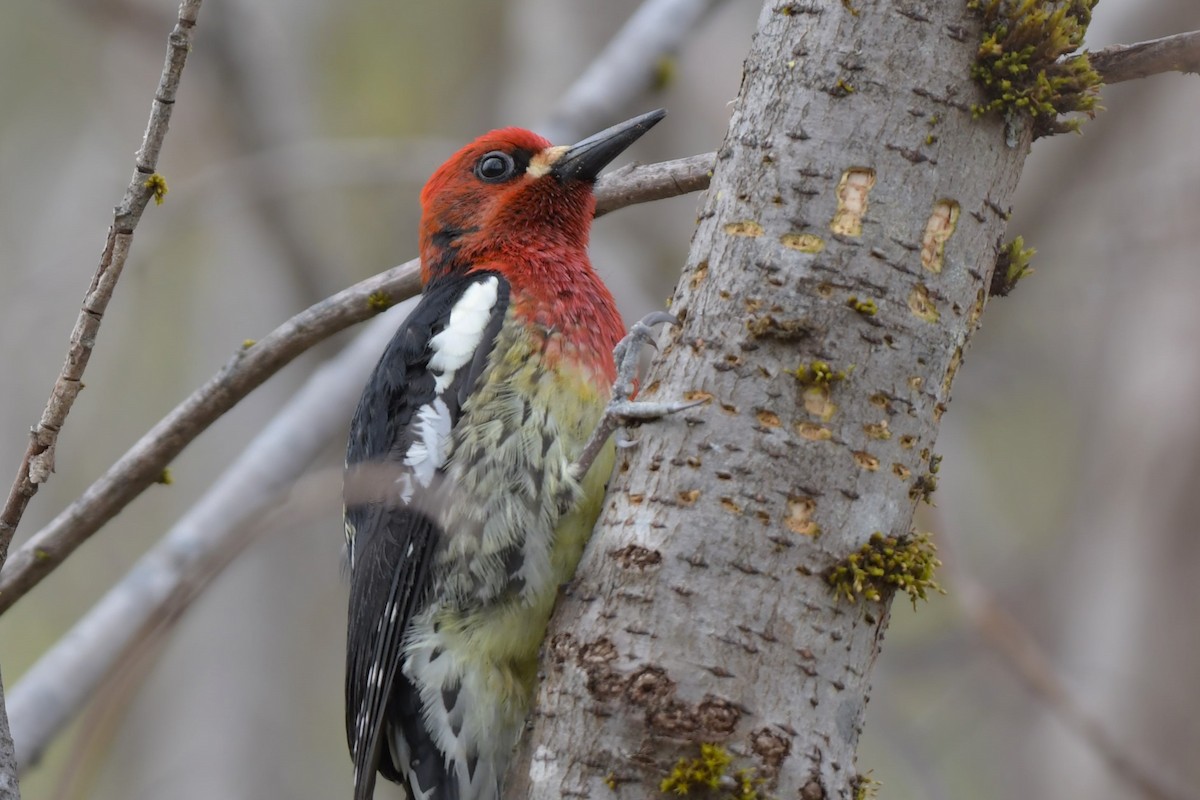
[(350, 543), (456, 344), (428, 452)]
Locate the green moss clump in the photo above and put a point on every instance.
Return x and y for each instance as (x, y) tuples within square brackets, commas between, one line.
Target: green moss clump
[(666, 70), (157, 185), (886, 564), (379, 301), (865, 787), (1021, 66), (697, 774), (746, 782), (709, 775), (865, 307), (923, 488), (1012, 264), (819, 373)]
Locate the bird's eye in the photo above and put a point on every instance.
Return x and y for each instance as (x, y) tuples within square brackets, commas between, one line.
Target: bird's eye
[(495, 167)]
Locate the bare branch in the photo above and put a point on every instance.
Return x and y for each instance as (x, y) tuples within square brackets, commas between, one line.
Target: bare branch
[(214, 530), (38, 462), (1127, 62), (1021, 651), (206, 538), (143, 464), (627, 66), (643, 183)]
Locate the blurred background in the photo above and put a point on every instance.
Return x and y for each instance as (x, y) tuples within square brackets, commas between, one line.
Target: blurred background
[(303, 133)]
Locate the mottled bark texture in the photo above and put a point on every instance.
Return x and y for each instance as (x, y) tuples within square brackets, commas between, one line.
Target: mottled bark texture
[(9, 788), (853, 218)]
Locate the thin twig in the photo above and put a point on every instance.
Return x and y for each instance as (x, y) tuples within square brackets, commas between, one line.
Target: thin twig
[(208, 536), (38, 462), (1127, 62), (1023, 654), (143, 464)]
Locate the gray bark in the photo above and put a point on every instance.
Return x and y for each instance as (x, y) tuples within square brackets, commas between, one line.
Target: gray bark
[(9, 788), (700, 612)]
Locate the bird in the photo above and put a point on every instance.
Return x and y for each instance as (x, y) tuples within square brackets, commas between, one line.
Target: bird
[(466, 505)]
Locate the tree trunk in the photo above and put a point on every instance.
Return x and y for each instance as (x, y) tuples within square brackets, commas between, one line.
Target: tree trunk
[(831, 233), (9, 788), (831, 288)]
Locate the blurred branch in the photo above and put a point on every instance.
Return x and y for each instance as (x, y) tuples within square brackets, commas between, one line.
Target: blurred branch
[(212, 532), (262, 108), (38, 462), (143, 464), (628, 66), (1127, 62), (353, 163), (163, 582), (1021, 652), (308, 497)]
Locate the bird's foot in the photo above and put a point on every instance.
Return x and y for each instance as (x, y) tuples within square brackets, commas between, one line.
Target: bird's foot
[(623, 409)]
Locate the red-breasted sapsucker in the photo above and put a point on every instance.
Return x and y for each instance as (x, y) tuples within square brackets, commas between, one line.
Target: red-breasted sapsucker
[(475, 417)]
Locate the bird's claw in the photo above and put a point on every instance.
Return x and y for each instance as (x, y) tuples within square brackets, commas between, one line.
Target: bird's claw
[(628, 352), (622, 409)]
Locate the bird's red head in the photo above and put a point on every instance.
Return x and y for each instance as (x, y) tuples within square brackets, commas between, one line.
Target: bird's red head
[(512, 203), (512, 198)]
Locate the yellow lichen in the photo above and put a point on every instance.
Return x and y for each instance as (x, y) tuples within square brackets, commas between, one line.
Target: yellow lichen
[(157, 185), (865, 787), (704, 772), (378, 301), (817, 373), (865, 307)]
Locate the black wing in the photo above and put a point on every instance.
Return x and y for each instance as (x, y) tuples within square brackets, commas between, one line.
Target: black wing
[(399, 440)]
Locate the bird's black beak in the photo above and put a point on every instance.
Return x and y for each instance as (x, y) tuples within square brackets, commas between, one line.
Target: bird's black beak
[(583, 161)]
